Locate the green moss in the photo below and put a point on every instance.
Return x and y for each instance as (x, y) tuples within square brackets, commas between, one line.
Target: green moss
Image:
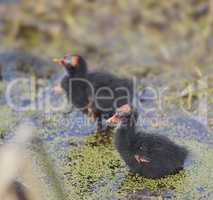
[(140, 182), (91, 163)]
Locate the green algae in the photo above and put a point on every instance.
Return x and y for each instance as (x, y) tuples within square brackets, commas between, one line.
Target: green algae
[(89, 164)]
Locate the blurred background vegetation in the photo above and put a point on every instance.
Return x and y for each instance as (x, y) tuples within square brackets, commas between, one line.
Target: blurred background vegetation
[(114, 34)]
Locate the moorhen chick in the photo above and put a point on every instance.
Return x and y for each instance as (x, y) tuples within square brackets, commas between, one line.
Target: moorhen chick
[(146, 154), (100, 93), (74, 83)]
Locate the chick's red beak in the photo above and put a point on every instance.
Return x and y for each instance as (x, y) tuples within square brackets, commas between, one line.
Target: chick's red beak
[(113, 120), (59, 61)]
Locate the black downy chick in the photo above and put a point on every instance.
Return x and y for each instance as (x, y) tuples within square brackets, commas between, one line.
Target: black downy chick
[(146, 154), (99, 92), (74, 83)]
